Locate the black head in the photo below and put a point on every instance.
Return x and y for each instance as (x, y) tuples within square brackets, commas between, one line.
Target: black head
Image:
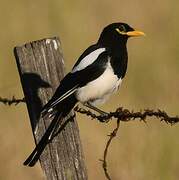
[(116, 34)]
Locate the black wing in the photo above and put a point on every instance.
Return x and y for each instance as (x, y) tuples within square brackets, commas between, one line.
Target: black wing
[(72, 81)]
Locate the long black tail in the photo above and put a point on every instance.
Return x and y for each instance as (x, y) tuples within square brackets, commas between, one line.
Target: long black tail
[(61, 111), (34, 156)]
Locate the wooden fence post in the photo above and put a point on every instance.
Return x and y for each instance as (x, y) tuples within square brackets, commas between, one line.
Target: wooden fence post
[(41, 67)]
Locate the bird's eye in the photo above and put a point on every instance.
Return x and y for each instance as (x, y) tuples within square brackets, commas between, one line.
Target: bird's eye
[(122, 28)]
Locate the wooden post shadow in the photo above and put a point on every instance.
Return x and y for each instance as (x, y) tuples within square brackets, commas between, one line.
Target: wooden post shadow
[(41, 67)]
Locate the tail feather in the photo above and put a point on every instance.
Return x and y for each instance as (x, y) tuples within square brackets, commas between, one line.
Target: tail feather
[(34, 156)]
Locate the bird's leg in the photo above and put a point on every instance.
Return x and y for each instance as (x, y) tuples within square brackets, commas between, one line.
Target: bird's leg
[(96, 109)]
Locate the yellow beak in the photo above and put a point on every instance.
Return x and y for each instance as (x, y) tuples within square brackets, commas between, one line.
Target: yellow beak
[(135, 33)]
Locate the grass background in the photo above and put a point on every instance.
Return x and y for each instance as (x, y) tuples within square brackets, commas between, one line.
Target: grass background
[(141, 151)]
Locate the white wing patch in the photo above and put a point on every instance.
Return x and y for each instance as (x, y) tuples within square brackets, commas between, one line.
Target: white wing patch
[(64, 96), (87, 60)]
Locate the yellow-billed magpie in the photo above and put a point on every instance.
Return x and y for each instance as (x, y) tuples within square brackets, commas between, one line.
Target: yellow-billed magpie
[(95, 76)]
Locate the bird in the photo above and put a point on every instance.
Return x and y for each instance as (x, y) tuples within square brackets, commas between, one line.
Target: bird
[(96, 75)]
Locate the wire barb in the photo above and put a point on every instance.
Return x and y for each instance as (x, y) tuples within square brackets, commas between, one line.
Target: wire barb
[(11, 101)]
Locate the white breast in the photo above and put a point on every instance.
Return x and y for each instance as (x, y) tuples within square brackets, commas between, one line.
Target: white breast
[(97, 91)]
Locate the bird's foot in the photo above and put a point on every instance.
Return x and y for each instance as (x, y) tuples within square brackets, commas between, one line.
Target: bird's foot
[(103, 116)]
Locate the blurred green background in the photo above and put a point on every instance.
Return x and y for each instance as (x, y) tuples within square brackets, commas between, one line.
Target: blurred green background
[(141, 151)]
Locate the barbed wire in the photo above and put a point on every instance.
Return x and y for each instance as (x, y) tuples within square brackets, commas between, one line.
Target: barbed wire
[(121, 114), (11, 101), (125, 115), (112, 135)]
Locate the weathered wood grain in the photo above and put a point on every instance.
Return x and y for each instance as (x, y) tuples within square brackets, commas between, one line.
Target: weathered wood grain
[(41, 67)]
